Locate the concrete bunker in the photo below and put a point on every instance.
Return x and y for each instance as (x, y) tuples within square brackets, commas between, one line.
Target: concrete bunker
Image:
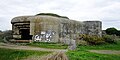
[(21, 28), (47, 28)]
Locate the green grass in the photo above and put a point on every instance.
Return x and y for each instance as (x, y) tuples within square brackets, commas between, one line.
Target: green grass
[(9, 54), (85, 55), (81, 53), (101, 47), (48, 45)]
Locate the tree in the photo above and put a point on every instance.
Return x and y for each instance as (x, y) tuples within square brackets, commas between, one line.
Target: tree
[(0, 31), (111, 31), (118, 33)]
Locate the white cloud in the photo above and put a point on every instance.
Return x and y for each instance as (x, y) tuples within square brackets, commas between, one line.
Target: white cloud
[(108, 11)]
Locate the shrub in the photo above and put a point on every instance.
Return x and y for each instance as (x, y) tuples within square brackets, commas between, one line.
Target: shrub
[(5, 36), (92, 40), (112, 31), (110, 38), (96, 40), (82, 43)]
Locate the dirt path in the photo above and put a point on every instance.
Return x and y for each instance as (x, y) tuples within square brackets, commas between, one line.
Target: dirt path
[(105, 51), (58, 54), (12, 46)]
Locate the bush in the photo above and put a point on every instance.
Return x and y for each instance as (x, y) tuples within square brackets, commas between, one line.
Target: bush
[(112, 31), (82, 43), (92, 40), (96, 40), (110, 38), (5, 35)]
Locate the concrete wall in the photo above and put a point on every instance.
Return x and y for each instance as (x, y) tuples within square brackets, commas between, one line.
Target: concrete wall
[(55, 29), (93, 27)]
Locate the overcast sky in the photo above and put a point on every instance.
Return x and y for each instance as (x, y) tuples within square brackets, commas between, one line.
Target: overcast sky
[(107, 11)]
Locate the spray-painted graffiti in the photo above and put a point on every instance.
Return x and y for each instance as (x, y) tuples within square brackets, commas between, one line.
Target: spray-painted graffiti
[(45, 36)]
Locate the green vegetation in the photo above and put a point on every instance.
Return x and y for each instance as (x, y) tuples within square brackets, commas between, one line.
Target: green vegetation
[(92, 40), (110, 38), (112, 31), (52, 14), (85, 55), (9, 54), (96, 40), (101, 47), (48, 45), (88, 42), (81, 53), (5, 35)]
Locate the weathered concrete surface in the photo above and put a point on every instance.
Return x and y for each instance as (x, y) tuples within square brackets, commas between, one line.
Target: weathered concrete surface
[(93, 27), (72, 45), (45, 28)]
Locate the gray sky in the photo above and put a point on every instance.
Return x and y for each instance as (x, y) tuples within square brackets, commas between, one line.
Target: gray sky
[(107, 11)]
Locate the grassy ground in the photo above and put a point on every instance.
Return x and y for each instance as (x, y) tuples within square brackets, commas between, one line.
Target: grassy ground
[(48, 45), (85, 55), (82, 52), (101, 47), (9, 54)]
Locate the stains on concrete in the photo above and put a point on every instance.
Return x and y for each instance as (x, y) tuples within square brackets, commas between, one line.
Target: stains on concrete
[(52, 29)]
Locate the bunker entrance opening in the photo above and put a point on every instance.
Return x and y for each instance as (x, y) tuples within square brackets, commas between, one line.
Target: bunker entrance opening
[(25, 34)]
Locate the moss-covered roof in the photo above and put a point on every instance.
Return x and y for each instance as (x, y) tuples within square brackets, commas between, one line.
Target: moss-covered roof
[(52, 14)]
